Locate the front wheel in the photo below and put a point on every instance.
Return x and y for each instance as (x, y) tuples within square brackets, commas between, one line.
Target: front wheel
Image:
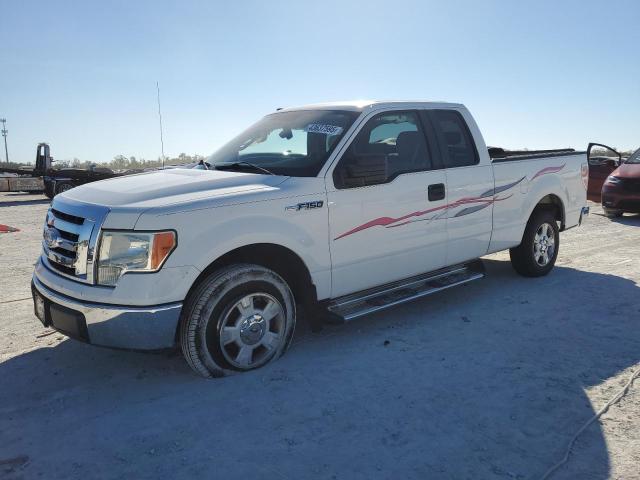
[(612, 213), (239, 318), (537, 253)]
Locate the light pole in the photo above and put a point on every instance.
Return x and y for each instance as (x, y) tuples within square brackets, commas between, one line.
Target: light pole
[(4, 134)]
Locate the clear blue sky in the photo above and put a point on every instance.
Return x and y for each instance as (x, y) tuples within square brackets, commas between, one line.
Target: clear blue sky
[(538, 74)]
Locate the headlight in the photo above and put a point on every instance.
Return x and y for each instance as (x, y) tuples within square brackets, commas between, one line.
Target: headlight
[(122, 252), (613, 180)]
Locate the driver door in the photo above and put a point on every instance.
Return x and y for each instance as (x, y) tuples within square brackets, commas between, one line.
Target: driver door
[(387, 198)]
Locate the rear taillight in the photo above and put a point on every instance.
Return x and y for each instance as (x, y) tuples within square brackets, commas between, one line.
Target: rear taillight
[(584, 172)]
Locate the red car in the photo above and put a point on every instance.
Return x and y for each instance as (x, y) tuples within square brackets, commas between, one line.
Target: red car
[(613, 181)]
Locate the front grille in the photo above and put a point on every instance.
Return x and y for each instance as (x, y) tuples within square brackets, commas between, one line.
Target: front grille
[(69, 236), (61, 235), (68, 217), (69, 239), (70, 271)]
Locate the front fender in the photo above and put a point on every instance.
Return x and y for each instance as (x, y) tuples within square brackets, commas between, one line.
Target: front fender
[(207, 234), (235, 233)]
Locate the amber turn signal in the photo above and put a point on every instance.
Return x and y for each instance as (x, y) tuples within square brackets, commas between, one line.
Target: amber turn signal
[(163, 245)]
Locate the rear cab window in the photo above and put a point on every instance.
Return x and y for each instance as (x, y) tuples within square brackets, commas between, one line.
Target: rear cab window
[(457, 146)]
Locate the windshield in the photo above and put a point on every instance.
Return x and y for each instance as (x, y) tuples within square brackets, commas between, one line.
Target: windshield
[(295, 143), (634, 158)]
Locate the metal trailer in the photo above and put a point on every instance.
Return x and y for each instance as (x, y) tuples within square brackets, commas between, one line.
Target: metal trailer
[(44, 178)]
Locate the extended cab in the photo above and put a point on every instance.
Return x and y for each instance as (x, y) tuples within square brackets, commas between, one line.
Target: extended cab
[(334, 210)]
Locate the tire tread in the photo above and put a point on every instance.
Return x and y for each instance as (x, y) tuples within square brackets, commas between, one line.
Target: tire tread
[(197, 303)]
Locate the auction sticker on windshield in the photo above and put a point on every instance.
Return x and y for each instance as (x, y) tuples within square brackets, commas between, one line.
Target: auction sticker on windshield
[(323, 128)]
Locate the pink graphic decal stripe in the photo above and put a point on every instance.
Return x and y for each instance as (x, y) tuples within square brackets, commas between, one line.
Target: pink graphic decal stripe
[(388, 222), (544, 171), (384, 221), (467, 211)]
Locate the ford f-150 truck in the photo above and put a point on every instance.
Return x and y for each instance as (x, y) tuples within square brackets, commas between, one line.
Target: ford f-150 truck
[(335, 210)]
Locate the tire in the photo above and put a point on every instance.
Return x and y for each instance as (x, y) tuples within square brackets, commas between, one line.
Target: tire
[(48, 190), (536, 255), (63, 187), (609, 213), (224, 327)]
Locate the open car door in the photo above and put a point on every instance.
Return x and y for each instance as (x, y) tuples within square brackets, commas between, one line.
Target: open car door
[(602, 161)]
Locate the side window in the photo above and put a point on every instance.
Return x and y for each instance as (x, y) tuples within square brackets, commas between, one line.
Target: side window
[(456, 144), (388, 145)]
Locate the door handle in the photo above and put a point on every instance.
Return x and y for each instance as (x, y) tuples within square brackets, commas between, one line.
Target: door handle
[(436, 192)]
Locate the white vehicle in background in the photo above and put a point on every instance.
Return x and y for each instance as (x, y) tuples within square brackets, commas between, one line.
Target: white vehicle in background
[(341, 209)]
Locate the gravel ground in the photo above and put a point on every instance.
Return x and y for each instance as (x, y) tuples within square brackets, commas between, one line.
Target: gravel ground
[(490, 380)]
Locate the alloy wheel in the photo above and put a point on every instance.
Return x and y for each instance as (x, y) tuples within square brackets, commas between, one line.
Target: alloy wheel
[(544, 244), (252, 330)]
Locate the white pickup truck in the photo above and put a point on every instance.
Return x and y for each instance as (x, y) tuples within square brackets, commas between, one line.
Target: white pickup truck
[(335, 210)]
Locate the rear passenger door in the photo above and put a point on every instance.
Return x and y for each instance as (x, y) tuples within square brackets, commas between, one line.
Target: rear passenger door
[(470, 184), (387, 199)]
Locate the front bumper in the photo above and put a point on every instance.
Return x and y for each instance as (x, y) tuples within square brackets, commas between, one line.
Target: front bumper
[(617, 198), (117, 326)]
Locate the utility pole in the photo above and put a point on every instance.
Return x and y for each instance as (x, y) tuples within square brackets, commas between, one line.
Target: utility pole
[(160, 116), (4, 134)]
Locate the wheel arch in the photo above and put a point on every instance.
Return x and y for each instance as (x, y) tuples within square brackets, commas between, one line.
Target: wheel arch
[(554, 203), (282, 260)]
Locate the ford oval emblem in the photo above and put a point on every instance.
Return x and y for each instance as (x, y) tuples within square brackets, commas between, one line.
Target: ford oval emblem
[(52, 237)]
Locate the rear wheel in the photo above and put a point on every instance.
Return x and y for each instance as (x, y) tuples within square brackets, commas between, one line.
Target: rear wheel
[(48, 190), (537, 253), (239, 318)]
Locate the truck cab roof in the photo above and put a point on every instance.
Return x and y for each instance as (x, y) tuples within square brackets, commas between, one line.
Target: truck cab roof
[(361, 105)]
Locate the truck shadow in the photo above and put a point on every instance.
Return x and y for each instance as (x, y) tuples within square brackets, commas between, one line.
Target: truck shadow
[(628, 219), (22, 203), (483, 381)]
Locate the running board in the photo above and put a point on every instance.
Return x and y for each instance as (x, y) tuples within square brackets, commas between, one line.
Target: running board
[(379, 298)]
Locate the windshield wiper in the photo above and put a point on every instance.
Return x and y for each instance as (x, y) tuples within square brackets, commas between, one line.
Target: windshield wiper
[(223, 166)]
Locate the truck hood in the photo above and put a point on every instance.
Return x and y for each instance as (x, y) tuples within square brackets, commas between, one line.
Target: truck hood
[(170, 187)]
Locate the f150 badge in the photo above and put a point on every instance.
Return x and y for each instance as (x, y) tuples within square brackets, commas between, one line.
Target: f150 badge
[(305, 206)]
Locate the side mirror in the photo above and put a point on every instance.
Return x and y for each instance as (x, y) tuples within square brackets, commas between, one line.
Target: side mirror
[(361, 171), (603, 154)]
